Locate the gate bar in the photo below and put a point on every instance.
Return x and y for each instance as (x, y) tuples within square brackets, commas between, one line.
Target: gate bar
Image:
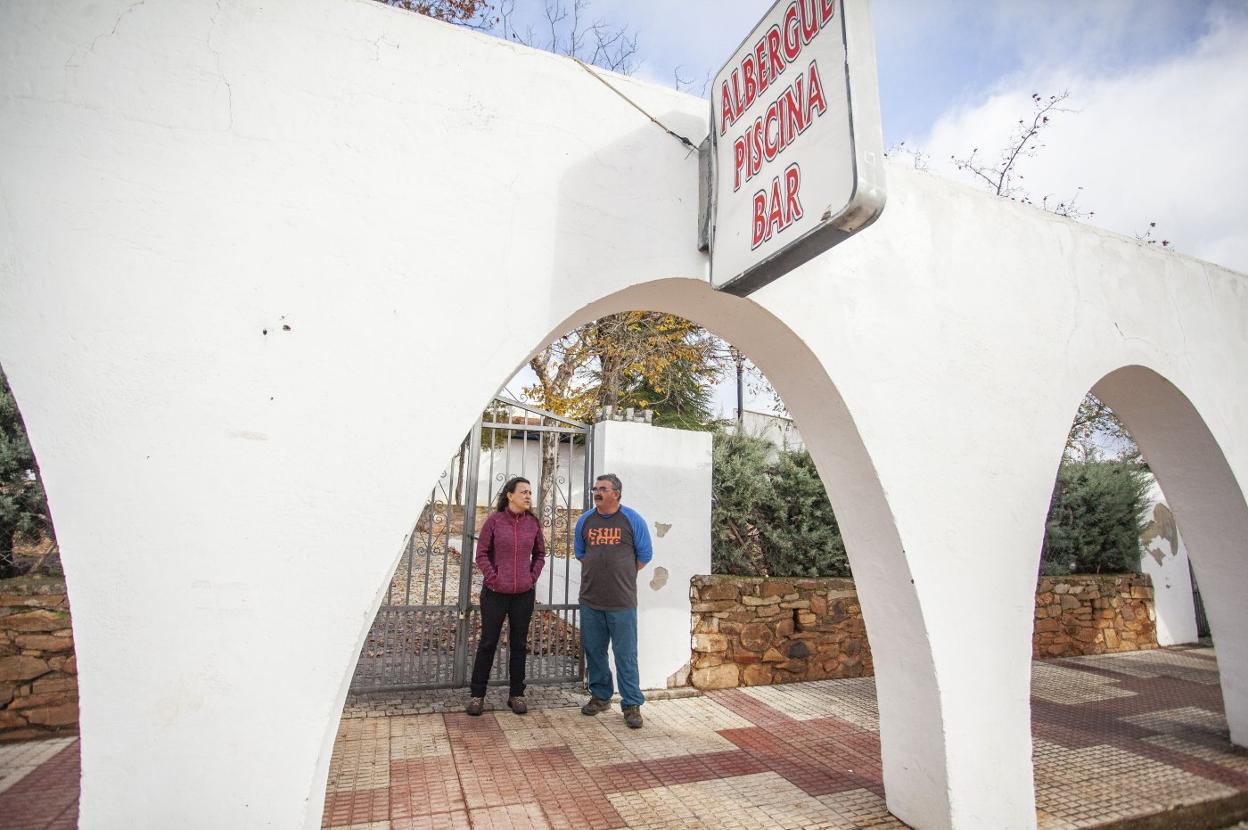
[(466, 556)]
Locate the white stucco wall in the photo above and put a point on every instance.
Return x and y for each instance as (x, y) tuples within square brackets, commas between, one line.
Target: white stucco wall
[(781, 432), (180, 180), (666, 475), (1165, 561)]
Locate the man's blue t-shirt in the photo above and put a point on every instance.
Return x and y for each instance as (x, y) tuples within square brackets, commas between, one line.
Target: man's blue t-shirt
[(609, 548)]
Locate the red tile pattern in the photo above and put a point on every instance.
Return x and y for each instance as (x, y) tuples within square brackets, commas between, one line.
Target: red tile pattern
[(45, 799)]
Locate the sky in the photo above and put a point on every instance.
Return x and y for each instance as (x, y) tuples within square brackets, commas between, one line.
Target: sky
[(1156, 114)]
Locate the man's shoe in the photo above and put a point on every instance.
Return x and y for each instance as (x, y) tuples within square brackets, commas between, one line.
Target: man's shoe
[(595, 705), (475, 706), (632, 716), (518, 705)]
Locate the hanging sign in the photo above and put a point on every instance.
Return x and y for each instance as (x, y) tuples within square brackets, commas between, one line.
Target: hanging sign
[(794, 163)]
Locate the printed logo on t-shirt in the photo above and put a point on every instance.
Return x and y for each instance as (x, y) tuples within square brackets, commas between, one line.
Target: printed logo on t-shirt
[(604, 535)]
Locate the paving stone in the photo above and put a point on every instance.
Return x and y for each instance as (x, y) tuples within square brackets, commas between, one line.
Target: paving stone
[(1115, 737)]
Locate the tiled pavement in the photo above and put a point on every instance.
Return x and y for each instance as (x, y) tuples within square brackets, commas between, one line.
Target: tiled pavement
[(1115, 737), (39, 785)]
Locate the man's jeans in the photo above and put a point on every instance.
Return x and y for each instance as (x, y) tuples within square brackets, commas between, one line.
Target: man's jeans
[(619, 628)]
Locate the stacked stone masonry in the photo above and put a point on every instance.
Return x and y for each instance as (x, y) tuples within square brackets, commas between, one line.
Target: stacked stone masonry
[(756, 632), (1099, 614), (38, 669), (746, 632), (750, 631)]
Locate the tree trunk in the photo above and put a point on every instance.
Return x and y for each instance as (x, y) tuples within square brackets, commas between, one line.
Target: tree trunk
[(550, 466), (8, 566), (459, 473), (609, 395)]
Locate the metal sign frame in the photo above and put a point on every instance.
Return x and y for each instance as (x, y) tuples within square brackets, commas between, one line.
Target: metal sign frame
[(828, 224)]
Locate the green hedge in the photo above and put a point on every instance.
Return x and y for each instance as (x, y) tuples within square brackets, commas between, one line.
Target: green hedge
[(1095, 518), (774, 518), (771, 519)]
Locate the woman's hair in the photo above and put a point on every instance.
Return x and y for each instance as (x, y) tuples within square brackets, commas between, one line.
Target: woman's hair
[(509, 487)]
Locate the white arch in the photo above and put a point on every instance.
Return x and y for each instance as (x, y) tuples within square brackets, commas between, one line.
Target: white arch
[(911, 722), (1208, 502)]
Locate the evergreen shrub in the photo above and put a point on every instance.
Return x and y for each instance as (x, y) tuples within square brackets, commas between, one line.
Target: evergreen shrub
[(1095, 518), (771, 518)]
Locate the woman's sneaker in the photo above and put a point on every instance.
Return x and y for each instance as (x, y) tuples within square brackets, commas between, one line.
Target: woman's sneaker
[(595, 705), (475, 706)]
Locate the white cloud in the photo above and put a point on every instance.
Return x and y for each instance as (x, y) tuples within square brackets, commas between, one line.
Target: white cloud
[(1160, 142)]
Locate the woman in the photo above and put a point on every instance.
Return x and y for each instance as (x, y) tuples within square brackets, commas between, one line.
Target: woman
[(511, 553)]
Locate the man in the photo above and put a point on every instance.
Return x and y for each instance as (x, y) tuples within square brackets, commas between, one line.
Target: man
[(612, 545)]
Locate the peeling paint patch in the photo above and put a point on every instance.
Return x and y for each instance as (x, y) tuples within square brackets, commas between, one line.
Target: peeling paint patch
[(662, 529), (659, 579), (1164, 527)]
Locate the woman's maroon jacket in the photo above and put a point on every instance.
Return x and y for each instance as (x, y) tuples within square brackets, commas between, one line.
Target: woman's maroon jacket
[(511, 551)]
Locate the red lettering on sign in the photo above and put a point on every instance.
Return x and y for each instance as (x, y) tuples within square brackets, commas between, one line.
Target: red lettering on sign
[(771, 132), (760, 62), (792, 182), (792, 33), (784, 120), (814, 93), (775, 216), (810, 19), (750, 80), (760, 219), (726, 113), (766, 60), (827, 8), (738, 159), (777, 208), (792, 112), (756, 148), (774, 59)]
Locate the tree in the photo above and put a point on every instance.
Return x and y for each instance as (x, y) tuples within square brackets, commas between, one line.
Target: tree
[(643, 359), (568, 31), (771, 519), (473, 13), (1095, 429), (1095, 518), (1004, 176), (24, 514), (739, 488), (651, 360), (799, 531), (680, 399)]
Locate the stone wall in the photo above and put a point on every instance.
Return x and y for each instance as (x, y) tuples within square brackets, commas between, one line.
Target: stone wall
[(1094, 614), (755, 632), (38, 669)]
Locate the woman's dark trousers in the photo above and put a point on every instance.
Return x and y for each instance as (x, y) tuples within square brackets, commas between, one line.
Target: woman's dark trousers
[(518, 609)]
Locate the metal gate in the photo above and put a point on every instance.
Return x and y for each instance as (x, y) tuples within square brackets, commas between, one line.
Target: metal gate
[(1202, 621), (426, 632)]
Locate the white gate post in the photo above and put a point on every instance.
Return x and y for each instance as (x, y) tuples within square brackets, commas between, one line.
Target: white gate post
[(666, 475)]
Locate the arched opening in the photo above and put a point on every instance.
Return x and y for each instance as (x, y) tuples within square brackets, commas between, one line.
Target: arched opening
[(1121, 678), (908, 709), (39, 757)]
